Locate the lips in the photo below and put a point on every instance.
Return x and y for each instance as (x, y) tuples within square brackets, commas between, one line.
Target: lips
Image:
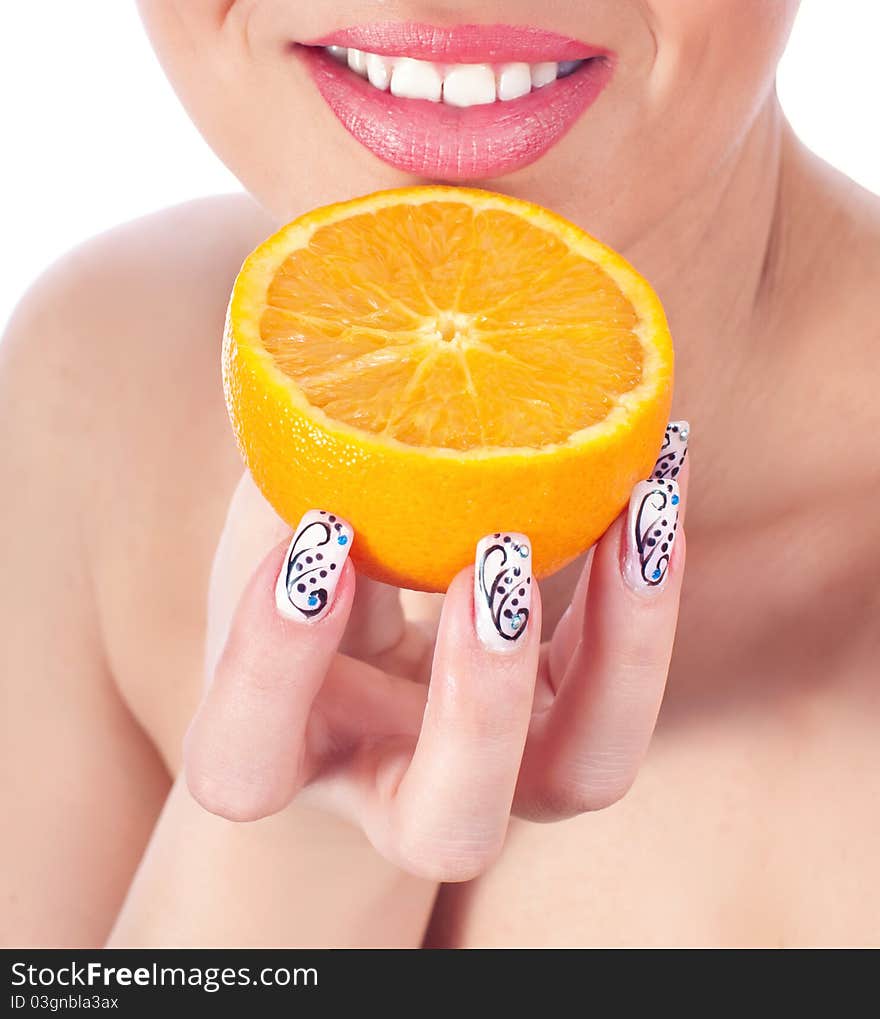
[(451, 139)]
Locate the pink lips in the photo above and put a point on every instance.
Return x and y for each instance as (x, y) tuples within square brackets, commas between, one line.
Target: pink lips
[(441, 142)]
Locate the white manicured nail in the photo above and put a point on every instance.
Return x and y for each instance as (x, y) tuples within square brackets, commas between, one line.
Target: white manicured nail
[(502, 589), (314, 560), (651, 529), (673, 451)]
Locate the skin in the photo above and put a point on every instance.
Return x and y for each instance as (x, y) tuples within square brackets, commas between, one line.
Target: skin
[(753, 820)]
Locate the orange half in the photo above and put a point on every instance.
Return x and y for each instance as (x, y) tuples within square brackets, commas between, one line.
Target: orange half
[(438, 363)]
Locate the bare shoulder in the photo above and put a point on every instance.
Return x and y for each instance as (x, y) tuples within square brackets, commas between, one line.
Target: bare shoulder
[(113, 361), (120, 304), (119, 341), (164, 268)]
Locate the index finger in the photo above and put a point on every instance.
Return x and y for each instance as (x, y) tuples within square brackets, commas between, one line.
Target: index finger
[(245, 748)]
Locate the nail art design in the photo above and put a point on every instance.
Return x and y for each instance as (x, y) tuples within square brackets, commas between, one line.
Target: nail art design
[(673, 451), (502, 589), (651, 530), (312, 566)]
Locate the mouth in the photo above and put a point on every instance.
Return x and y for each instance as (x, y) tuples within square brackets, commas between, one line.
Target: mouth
[(456, 104)]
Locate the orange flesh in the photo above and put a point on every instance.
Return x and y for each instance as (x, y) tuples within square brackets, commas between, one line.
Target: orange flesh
[(459, 328)]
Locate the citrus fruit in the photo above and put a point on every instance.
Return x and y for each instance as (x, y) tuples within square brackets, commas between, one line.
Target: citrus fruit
[(438, 363)]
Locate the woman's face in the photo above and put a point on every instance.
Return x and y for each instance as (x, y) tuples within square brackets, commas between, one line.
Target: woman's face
[(652, 95)]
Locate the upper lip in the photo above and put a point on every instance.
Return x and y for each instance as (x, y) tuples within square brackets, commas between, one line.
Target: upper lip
[(461, 43)]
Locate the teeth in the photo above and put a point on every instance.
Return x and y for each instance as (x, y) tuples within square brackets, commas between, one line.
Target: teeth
[(469, 85), (543, 74), (514, 80), (461, 85), (416, 79), (379, 71), (357, 61), (567, 67)]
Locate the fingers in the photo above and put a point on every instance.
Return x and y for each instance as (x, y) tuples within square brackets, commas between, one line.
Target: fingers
[(245, 748), (670, 464), (380, 634), (566, 636), (610, 660), (251, 530), (376, 623), (444, 813)]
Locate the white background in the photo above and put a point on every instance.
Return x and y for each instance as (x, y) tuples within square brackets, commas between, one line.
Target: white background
[(93, 134)]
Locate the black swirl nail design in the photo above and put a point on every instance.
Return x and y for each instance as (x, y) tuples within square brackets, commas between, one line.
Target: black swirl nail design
[(652, 526), (673, 451), (502, 589), (312, 566)]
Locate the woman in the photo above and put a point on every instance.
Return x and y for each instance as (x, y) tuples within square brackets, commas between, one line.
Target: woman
[(753, 820)]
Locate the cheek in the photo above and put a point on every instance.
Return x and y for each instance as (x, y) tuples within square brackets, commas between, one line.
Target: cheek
[(717, 58), (229, 64), (714, 66), (168, 21)]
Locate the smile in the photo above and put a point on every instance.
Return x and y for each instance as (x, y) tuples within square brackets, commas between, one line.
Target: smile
[(460, 85), (456, 104)]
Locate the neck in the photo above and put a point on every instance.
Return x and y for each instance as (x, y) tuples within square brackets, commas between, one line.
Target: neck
[(707, 260)]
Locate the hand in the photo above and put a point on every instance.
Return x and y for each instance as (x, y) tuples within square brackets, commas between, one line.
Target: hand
[(316, 692)]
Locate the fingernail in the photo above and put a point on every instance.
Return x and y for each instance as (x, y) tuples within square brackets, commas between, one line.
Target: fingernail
[(502, 589), (673, 451), (312, 565), (651, 529)]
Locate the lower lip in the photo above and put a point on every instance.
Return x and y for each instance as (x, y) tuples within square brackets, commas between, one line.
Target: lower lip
[(447, 143)]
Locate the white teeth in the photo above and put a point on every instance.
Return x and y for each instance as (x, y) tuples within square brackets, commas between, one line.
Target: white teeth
[(543, 74), (469, 85), (461, 85), (357, 61), (378, 71), (416, 79), (514, 80)]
